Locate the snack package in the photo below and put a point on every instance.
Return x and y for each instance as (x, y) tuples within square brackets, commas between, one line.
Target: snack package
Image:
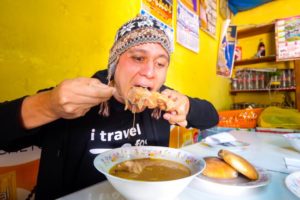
[(275, 117)]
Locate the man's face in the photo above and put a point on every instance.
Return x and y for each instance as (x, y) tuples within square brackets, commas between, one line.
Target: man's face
[(143, 65)]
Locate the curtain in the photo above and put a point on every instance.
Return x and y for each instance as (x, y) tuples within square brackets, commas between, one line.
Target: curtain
[(240, 5)]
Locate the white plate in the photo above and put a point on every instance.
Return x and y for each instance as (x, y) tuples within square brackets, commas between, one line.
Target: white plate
[(235, 186), (292, 182)]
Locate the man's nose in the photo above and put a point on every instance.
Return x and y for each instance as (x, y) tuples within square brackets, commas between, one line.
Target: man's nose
[(148, 70)]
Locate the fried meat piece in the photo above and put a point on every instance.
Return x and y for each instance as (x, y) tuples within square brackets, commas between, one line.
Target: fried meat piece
[(139, 98)]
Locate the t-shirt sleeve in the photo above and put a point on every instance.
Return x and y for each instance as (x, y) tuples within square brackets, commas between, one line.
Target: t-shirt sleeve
[(11, 124), (202, 114)]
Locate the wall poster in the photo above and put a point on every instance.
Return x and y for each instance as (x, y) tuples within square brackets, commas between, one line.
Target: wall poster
[(208, 16), (187, 32), (226, 50), (287, 36), (161, 11)]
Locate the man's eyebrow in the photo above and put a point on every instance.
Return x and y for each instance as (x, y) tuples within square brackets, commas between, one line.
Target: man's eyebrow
[(135, 50), (164, 56)]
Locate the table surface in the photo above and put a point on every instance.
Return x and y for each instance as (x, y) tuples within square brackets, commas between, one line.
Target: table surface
[(265, 150)]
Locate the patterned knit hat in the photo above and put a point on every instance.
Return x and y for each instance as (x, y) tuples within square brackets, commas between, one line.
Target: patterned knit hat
[(137, 31)]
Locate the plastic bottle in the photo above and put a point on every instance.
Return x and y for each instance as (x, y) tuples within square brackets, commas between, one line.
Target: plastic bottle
[(245, 80), (234, 84), (293, 83), (239, 80), (250, 80), (262, 80), (256, 79), (289, 78), (283, 79)]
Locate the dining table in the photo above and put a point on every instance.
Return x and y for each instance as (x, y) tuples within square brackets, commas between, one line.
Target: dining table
[(267, 151)]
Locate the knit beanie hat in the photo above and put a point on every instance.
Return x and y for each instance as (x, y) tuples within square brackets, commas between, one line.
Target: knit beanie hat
[(137, 31)]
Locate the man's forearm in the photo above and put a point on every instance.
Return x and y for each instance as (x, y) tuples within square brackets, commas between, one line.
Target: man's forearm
[(202, 114), (36, 110)]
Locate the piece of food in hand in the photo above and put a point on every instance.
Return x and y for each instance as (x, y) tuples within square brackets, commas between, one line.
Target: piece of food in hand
[(217, 168), (139, 98), (239, 163)]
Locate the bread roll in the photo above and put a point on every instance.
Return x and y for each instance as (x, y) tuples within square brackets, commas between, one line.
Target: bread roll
[(239, 163), (217, 168)]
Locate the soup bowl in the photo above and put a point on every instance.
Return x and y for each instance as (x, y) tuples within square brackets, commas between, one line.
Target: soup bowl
[(148, 190)]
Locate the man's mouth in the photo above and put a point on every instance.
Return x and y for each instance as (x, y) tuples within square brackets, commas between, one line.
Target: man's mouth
[(143, 86)]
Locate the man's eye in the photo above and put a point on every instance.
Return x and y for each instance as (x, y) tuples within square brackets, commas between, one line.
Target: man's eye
[(138, 58), (161, 64)]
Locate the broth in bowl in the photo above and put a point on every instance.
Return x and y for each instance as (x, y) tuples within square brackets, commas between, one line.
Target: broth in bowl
[(150, 169)]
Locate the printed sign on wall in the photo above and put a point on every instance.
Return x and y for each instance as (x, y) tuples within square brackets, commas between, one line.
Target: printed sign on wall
[(287, 36)]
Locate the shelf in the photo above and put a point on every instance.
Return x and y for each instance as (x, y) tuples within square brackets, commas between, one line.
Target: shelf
[(269, 30), (255, 60), (255, 30), (291, 89)]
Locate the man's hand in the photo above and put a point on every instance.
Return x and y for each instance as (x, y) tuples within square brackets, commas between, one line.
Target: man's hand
[(70, 99), (181, 108), (74, 98)]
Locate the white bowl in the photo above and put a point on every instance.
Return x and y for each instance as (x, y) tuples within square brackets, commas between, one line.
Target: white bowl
[(148, 190), (292, 182), (294, 140)]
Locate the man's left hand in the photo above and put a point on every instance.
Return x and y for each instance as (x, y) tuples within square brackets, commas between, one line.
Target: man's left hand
[(178, 114)]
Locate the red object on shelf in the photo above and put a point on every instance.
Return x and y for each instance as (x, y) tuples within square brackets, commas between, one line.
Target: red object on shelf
[(238, 53)]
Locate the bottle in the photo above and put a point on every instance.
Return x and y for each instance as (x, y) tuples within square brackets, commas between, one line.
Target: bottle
[(262, 80), (256, 79), (250, 80), (293, 83), (234, 84), (245, 79), (289, 78), (239, 80), (283, 79), (261, 49)]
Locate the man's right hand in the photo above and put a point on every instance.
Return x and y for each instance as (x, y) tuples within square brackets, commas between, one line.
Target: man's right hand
[(70, 99), (73, 98)]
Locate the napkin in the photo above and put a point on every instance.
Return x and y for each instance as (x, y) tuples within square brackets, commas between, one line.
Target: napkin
[(292, 164), (220, 138), (224, 140)]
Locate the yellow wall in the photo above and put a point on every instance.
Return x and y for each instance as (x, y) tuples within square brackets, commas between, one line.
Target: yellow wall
[(44, 42), (264, 14)]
